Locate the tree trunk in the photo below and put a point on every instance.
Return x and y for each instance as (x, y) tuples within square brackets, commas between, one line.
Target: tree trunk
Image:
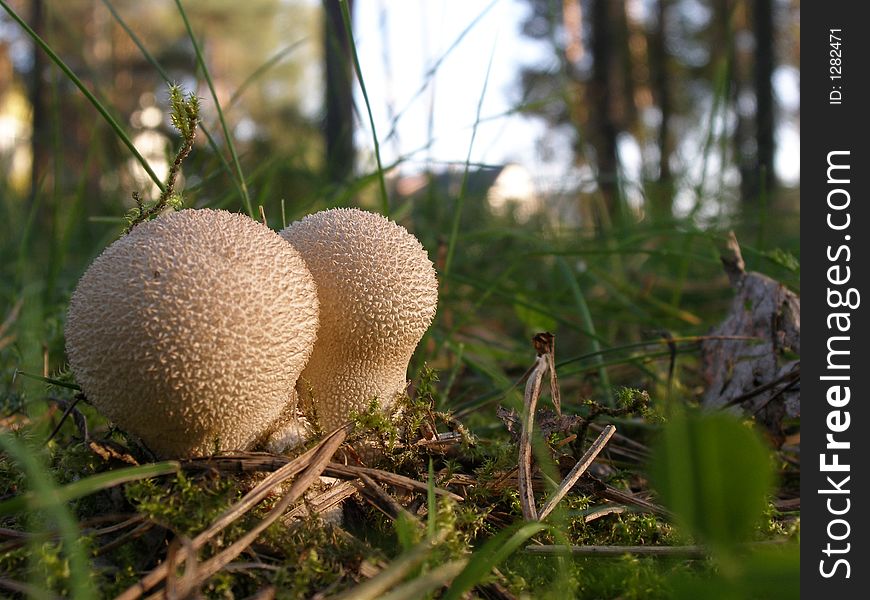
[(601, 126), (339, 94), (40, 133), (662, 200), (764, 118)]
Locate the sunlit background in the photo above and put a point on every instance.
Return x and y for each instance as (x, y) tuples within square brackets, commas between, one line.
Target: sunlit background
[(576, 167), (448, 82)]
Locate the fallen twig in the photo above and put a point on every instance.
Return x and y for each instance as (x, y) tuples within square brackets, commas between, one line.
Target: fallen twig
[(422, 585), (380, 498), (323, 453), (530, 401), (395, 572), (251, 499), (326, 500), (676, 551), (578, 470), (603, 511), (25, 589), (680, 551), (334, 469)]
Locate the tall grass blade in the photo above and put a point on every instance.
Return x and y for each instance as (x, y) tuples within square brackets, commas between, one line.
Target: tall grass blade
[(454, 230), (427, 582), (243, 188), (588, 323), (48, 380), (348, 27), (374, 588), (165, 76), (119, 131), (261, 70), (42, 487), (432, 520), (493, 552), (39, 499), (436, 66)]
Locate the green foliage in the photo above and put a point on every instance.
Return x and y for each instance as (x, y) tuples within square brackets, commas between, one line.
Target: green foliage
[(69, 571), (762, 574), (700, 467), (612, 296), (490, 555), (181, 504), (557, 578)]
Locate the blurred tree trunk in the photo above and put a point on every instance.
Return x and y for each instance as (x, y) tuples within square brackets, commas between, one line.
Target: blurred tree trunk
[(339, 94), (40, 133), (605, 100), (755, 141), (662, 198), (763, 75)]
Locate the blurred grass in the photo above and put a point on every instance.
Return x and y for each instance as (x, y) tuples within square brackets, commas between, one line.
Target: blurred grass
[(608, 295)]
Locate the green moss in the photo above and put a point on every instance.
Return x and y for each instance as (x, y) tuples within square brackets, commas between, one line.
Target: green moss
[(182, 504)]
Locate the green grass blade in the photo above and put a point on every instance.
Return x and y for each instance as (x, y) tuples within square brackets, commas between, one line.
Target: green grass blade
[(39, 499), (165, 76), (374, 588), (454, 230), (432, 517), (427, 582), (348, 27), (588, 323), (246, 198), (42, 487), (49, 380), (493, 552), (119, 131), (259, 71), (135, 39), (430, 74)]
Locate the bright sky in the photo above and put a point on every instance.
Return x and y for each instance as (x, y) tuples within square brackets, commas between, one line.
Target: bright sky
[(400, 43)]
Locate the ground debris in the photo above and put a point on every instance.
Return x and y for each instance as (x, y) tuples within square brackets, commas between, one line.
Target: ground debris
[(762, 375), (548, 421)]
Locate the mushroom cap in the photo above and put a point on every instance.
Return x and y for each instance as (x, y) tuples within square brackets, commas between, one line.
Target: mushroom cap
[(378, 294), (191, 330)]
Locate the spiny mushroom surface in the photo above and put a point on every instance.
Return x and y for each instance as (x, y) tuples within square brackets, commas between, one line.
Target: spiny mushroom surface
[(378, 293), (190, 331)]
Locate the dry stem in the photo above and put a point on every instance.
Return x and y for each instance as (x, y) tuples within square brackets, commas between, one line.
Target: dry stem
[(578, 470), (251, 499)]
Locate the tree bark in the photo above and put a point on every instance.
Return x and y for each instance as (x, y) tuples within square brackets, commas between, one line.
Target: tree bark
[(338, 124), (662, 201), (40, 130), (764, 117), (602, 128)]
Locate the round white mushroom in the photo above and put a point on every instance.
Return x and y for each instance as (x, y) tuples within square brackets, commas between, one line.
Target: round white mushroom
[(190, 331), (378, 293)]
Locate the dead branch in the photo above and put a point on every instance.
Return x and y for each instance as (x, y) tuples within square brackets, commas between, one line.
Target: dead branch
[(578, 470), (530, 401), (251, 499)]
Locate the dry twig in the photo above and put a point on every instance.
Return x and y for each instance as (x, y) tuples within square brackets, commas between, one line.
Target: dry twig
[(323, 453), (530, 401), (681, 551), (250, 500), (578, 470)]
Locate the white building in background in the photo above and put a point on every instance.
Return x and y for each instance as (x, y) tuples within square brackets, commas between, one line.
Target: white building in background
[(507, 190), (514, 192)]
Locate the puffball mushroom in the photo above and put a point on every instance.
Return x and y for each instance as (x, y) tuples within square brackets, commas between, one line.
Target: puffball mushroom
[(378, 293), (191, 330)]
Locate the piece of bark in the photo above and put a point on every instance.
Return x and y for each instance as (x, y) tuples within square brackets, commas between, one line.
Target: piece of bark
[(760, 376)]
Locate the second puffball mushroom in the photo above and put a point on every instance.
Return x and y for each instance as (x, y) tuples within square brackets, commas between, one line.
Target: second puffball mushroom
[(378, 294), (191, 330)]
